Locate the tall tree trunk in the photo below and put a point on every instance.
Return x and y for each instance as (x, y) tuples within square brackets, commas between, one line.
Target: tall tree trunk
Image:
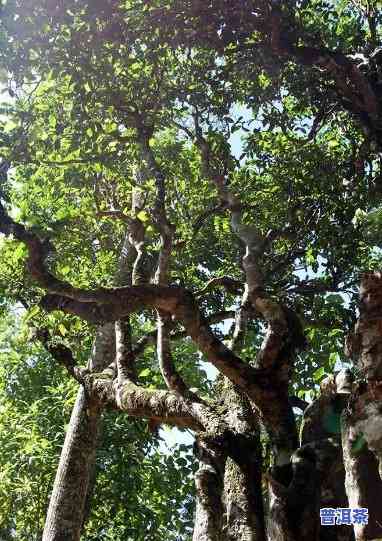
[(363, 485), (229, 504), (71, 490), (242, 480), (362, 420), (209, 488), (294, 499), (316, 476), (66, 508), (65, 515)]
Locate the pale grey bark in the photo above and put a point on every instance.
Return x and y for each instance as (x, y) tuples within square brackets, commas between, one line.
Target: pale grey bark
[(209, 486), (67, 503), (65, 514), (71, 495), (243, 498), (284, 332)]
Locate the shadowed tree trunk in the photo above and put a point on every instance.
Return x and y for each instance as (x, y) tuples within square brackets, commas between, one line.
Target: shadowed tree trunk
[(363, 485), (362, 420), (294, 499)]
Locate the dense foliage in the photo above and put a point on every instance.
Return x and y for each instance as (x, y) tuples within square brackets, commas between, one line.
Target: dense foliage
[(129, 485), (86, 86)]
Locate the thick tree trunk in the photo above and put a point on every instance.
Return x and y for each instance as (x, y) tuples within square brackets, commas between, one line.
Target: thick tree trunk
[(363, 484), (228, 482), (71, 494), (65, 517), (294, 499), (332, 488), (362, 420), (242, 480), (320, 431), (315, 479), (242, 493), (66, 508), (209, 487)]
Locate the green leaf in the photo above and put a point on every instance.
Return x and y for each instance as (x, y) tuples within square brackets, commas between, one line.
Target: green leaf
[(63, 330), (32, 313), (143, 216), (319, 374), (144, 373)]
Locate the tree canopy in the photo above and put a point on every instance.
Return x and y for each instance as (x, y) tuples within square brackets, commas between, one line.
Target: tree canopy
[(207, 175)]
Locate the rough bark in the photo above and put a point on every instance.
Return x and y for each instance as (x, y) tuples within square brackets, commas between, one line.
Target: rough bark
[(362, 420), (332, 487), (67, 503), (243, 498), (294, 499), (363, 484), (315, 478), (65, 516), (209, 486), (72, 488)]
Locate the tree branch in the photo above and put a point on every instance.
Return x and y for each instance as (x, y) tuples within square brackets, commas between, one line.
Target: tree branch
[(230, 284), (284, 332), (350, 81), (125, 357), (162, 406), (113, 304), (173, 379), (62, 354)]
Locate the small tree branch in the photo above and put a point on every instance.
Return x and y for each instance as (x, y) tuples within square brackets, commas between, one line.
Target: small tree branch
[(151, 338), (62, 354), (125, 357), (173, 379), (230, 284), (166, 229), (241, 321), (115, 214)]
